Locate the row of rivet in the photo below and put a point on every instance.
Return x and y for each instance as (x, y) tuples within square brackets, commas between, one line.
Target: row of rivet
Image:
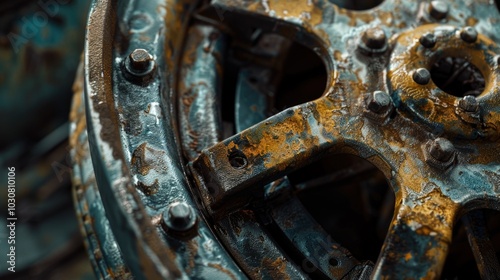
[(179, 218)]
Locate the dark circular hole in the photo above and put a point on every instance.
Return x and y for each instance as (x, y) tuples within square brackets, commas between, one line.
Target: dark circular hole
[(357, 5), (333, 262), (308, 264), (253, 80), (457, 76), (238, 160), (211, 190)]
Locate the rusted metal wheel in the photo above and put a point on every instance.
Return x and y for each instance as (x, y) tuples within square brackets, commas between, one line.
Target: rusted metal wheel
[(411, 88)]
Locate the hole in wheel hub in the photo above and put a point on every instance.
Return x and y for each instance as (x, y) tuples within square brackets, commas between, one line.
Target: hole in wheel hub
[(458, 77), (456, 68)]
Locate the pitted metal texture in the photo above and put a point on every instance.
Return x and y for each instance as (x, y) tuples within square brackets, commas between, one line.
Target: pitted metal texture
[(195, 155)]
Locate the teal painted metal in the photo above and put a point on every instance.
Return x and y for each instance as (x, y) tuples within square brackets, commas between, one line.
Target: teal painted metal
[(136, 163)]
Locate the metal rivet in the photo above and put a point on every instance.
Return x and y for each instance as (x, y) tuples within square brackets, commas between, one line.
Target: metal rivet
[(374, 38), (469, 104), (438, 9), (139, 66), (421, 76), (379, 102), (468, 110), (441, 149), (179, 217), (468, 34), (140, 60), (379, 107), (428, 40)]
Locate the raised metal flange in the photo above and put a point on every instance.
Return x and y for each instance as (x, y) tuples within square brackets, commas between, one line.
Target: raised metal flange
[(430, 105), (128, 145)]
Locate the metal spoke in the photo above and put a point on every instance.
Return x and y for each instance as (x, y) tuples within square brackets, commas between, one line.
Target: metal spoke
[(200, 89), (268, 150), (418, 238), (320, 251)]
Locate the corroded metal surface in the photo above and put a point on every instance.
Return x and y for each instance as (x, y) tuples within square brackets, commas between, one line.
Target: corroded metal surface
[(130, 160), (103, 252), (428, 199), (200, 88), (158, 142)]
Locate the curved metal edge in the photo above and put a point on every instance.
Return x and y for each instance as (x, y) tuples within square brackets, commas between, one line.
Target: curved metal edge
[(134, 231), (133, 215), (103, 252)]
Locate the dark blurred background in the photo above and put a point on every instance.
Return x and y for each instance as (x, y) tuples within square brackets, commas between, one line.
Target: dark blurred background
[(41, 42)]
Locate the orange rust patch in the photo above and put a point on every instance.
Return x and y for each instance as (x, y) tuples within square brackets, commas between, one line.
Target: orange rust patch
[(192, 251), (77, 116), (273, 143), (222, 269), (439, 107), (338, 55), (310, 14), (145, 158), (138, 160), (149, 189), (471, 21), (435, 214), (408, 256), (276, 268), (424, 230)]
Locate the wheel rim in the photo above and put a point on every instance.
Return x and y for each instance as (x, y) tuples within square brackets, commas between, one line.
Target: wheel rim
[(438, 167)]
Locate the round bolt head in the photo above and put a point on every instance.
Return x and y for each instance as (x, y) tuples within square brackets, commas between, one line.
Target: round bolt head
[(422, 76), (140, 59), (468, 34), (428, 40), (469, 104), (438, 9), (441, 149), (139, 67), (374, 38), (179, 217), (379, 102)]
